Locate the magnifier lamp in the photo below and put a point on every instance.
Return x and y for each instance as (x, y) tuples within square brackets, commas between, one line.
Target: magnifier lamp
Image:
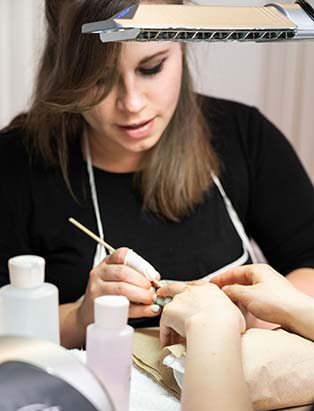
[(188, 23)]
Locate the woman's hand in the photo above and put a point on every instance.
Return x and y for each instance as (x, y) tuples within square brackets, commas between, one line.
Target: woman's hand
[(264, 293), (204, 304), (113, 277)]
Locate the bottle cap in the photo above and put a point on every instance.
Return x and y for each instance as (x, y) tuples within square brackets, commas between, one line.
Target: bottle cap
[(27, 271), (111, 311)]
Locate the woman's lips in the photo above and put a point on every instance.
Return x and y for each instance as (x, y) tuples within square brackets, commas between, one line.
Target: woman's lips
[(139, 130)]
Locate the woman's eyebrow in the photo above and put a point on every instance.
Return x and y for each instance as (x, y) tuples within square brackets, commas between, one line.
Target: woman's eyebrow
[(147, 59)]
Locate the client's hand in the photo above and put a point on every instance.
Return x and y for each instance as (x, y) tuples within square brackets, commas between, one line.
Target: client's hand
[(263, 292), (204, 304), (113, 277)]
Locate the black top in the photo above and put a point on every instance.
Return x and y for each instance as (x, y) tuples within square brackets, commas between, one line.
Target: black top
[(261, 174)]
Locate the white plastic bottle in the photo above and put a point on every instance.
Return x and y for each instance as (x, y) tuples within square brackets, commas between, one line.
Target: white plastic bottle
[(109, 345), (29, 306)]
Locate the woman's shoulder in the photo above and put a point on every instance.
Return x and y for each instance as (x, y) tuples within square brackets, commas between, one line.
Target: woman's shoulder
[(14, 153), (220, 110), (237, 123), (12, 140)]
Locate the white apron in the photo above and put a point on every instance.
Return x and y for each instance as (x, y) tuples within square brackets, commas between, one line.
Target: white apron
[(247, 256)]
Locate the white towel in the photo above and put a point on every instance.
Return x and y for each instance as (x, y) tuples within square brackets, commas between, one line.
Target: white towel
[(146, 394)]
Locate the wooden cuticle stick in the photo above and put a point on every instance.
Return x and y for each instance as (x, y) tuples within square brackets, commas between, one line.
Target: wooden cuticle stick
[(100, 241)]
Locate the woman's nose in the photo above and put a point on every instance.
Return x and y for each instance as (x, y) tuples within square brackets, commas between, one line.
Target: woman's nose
[(131, 97)]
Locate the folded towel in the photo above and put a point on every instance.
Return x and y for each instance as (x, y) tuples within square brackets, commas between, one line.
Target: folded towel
[(146, 394)]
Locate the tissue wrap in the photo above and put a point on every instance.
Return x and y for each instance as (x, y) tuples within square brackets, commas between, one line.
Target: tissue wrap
[(278, 366)]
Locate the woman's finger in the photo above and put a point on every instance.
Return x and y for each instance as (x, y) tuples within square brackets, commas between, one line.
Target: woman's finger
[(121, 273), (133, 293), (140, 310), (117, 257)]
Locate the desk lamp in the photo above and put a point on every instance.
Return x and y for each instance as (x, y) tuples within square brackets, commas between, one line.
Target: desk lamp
[(188, 23)]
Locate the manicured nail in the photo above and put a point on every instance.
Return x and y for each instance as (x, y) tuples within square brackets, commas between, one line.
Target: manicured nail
[(160, 301), (167, 300), (155, 308), (155, 298)]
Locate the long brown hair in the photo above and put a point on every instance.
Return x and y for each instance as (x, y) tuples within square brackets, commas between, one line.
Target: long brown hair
[(177, 171)]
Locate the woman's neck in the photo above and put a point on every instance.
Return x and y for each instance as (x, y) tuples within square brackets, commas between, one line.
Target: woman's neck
[(111, 157)]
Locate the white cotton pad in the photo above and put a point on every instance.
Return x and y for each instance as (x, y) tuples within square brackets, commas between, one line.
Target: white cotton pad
[(139, 264)]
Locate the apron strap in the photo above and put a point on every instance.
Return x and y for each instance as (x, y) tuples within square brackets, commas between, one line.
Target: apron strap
[(100, 253), (235, 220)]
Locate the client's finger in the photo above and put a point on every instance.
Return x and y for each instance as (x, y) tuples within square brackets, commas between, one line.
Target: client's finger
[(197, 282), (170, 290), (171, 338), (238, 293), (165, 336), (240, 275)]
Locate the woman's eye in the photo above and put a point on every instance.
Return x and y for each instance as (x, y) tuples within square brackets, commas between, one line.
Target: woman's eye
[(101, 82), (151, 71)]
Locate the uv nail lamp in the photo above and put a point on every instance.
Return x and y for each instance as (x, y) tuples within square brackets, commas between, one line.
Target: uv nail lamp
[(188, 23), (40, 376)]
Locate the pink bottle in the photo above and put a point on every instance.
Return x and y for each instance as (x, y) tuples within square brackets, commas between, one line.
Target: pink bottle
[(109, 345)]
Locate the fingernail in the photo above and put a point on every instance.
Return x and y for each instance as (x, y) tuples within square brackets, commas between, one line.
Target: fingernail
[(152, 289), (167, 300), (160, 301), (157, 284), (155, 308), (155, 298)]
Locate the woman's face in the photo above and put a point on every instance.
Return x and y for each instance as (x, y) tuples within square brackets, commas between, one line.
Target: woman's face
[(138, 109)]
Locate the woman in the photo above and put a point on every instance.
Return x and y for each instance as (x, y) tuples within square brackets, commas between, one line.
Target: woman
[(193, 315), (117, 139)]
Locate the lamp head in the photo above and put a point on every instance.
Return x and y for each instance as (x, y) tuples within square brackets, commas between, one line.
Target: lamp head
[(189, 23)]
